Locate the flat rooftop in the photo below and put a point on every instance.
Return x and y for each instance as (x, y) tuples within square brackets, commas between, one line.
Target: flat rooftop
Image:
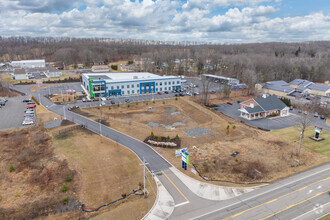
[(125, 76)]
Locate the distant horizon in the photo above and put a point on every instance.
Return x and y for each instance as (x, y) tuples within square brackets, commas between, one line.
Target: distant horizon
[(165, 41), (216, 21)]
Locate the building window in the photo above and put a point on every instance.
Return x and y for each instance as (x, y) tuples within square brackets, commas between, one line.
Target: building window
[(132, 91), (128, 86), (122, 86), (156, 84), (156, 89), (160, 89), (127, 92), (160, 84), (177, 82), (137, 85), (169, 88), (117, 87), (165, 83), (132, 85), (122, 92), (112, 87), (138, 91), (165, 88), (173, 83)]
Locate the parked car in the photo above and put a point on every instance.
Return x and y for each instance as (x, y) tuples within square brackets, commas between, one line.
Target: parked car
[(83, 92), (166, 92), (31, 106), (27, 100), (181, 94), (291, 108), (229, 103), (29, 111), (316, 114), (2, 103), (30, 103), (4, 99), (159, 93), (83, 100), (176, 95), (113, 102), (322, 117), (28, 121)]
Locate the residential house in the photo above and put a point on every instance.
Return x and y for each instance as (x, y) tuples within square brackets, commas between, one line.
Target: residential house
[(262, 107)]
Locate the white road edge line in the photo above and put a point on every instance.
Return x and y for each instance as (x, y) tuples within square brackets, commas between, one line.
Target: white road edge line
[(260, 194), (180, 204), (311, 211)]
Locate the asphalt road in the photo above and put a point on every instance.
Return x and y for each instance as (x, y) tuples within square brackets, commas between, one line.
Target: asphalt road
[(303, 195)]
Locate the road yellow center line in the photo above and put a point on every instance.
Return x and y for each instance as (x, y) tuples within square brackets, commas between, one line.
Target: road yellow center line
[(240, 213), (293, 205), (176, 187)]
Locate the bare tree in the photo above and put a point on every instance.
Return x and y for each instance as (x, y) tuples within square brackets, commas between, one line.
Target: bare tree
[(204, 97), (305, 119)]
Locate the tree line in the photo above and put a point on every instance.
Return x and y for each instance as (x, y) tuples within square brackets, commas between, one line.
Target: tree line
[(250, 63)]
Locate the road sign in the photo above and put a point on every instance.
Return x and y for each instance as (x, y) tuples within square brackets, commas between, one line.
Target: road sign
[(318, 129), (178, 152), (185, 157)]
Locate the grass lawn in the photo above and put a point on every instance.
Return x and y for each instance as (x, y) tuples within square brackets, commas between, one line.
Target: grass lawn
[(293, 134), (328, 121), (106, 170)]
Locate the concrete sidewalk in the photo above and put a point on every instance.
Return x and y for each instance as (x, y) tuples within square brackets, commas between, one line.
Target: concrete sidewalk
[(164, 204), (210, 191)]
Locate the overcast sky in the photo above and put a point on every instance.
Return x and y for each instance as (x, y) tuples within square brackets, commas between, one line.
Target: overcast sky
[(223, 21)]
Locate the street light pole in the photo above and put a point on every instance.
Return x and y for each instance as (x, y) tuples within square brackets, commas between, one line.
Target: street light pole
[(64, 112)]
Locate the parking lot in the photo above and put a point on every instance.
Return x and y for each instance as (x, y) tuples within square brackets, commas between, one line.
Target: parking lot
[(267, 123), (12, 114)]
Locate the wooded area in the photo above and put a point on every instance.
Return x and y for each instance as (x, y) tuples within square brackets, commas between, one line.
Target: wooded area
[(250, 63)]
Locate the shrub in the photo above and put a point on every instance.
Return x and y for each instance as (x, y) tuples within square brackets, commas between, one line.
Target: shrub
[(56, 99), (114, 67), (63, 100), (236, 160), (69, 99), (98, 107), (68, 177), (153, 102), (11, 168), (168, 138), (109, 108), (228, 127), (65, 200), (177, 137), (176, 98), (146, 103), (234, 126), (118, 105), (164, 102), (159, 138), (64, 187), (35, 100), (152, 134), (136, 103), (227, 132), (128, 106)]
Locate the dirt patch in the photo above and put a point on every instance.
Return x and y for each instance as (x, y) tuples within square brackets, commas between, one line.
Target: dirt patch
[(262, 156), (34, 89), (32, 176)]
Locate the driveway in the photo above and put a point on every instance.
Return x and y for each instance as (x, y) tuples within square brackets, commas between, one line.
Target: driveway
[(267, 123)]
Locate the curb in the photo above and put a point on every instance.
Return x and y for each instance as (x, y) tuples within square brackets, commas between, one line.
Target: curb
[(156, 200)]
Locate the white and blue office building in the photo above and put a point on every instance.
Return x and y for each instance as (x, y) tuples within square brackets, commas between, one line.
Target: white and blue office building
[(127, 84)]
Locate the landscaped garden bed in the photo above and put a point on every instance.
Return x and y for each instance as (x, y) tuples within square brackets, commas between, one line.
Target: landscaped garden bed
[(166, 142)]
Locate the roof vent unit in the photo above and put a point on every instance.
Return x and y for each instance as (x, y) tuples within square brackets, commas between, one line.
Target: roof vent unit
[(251, 105), (264, 95), (135, 77)]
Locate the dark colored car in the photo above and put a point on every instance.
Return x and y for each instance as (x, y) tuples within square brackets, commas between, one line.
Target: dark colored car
[(166, 92), (27, 100), (112, 102), (322, 117), (176, 95), (181, 94)]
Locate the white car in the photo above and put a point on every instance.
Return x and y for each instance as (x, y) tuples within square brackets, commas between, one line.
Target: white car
[(28, 122)]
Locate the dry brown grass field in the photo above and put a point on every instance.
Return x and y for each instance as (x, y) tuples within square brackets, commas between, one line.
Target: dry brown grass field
[(263, 157)]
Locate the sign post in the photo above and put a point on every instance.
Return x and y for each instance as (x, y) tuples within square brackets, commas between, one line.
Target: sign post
[(317, 132), (185, 159)]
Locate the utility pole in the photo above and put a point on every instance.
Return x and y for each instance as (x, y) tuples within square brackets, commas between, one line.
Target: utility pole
[(39, 99), (64, 112), (144, 176)]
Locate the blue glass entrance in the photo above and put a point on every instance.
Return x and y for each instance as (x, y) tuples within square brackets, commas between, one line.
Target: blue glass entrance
[(148, 87)]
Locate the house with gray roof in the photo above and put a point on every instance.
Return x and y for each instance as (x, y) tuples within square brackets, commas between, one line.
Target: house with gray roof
[(266, 106)]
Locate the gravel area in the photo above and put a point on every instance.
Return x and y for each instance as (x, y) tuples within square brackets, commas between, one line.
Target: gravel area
[(198, 132), (152, 124)]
